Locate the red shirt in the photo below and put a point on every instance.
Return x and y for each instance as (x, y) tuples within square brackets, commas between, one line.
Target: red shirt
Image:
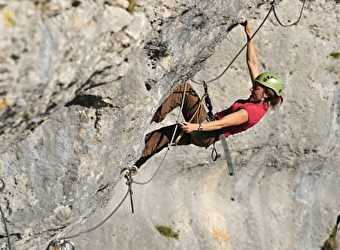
[(255, 113)]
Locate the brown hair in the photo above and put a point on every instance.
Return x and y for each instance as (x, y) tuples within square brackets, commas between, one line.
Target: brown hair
[(273, 100)]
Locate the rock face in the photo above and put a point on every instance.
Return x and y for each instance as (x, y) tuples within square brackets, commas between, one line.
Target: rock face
[(80, 81)]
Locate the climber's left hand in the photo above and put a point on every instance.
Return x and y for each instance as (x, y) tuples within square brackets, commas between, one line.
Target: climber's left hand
[(189, 127)]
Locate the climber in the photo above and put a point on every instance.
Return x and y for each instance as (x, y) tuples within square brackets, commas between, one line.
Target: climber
[(243, 114)]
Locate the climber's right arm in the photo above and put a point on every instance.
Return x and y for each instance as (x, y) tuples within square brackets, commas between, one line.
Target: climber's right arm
[(252, 61)]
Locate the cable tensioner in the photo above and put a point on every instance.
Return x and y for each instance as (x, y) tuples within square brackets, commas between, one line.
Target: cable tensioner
[(61, 244)]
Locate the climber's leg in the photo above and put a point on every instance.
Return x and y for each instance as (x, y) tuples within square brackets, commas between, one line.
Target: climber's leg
[(190, 105), (204, 138), (156, 140)]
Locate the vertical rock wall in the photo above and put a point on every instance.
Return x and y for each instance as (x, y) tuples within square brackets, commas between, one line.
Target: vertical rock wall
[(285, 192), (79, 82)]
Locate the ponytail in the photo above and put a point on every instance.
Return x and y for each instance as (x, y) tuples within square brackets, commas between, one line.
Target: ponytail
[(273, 100)]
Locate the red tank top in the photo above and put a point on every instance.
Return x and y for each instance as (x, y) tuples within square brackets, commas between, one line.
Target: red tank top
[(255, 113)]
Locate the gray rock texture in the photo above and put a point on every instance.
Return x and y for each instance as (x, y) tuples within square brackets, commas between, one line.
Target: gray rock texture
[(79, 82)]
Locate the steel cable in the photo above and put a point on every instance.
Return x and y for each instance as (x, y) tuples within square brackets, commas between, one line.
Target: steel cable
[(101, 223), (3, 217), (244, 46), (296, 22)]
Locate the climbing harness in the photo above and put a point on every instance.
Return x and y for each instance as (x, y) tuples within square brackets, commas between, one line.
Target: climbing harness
[(214, 153), (179, 137), (172, 143), (210, 117), (208, 103), (2, 187), (65, 244)]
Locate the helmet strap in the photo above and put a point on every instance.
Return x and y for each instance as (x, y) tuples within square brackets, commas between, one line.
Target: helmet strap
[(262, 98)]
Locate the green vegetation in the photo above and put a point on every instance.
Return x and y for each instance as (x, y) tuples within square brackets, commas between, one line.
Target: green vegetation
[(167, 231), (331, 243), (132, 5), (335, 55)]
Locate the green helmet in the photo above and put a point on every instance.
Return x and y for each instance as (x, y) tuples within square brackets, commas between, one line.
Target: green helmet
[(271, 81)]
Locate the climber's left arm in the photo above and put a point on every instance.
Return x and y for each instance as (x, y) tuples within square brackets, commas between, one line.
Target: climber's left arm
[(233, 119)]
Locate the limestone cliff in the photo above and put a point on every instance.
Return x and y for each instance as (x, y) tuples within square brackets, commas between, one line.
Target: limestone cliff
[(79, 81)]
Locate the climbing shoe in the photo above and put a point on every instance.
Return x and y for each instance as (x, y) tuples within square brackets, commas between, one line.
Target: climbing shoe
[(126, 171)]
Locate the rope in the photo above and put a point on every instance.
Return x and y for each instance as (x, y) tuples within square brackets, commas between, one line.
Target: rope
[(196, 112), (178, 115)]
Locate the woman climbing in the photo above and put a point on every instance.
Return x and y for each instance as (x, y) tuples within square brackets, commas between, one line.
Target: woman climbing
[(242, 115)]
